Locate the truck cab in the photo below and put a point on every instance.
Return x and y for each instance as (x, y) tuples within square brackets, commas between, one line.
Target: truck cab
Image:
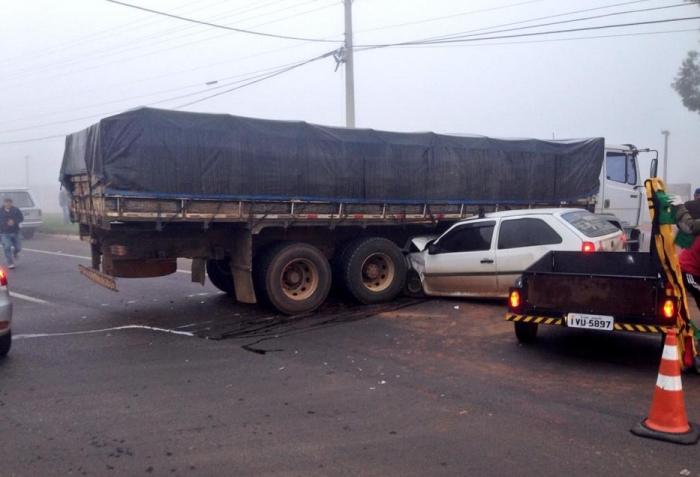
[(621, 190)]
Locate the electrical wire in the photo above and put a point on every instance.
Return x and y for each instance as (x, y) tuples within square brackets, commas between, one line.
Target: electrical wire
[(162, 37), (272, 75), (216, 25), (519, 35), (560, 22), (233, 86), (449, 17), (22, 78)]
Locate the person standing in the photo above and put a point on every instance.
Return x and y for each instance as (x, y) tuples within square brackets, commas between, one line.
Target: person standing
[(10, 218), (696, 196), (688, 222), (64, 201)]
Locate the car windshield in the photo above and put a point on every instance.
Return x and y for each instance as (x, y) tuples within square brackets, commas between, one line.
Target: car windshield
[(19, 198), (589, 224)]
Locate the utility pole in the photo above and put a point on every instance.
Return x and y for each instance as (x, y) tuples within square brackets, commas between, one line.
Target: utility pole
[(26, 171), (666, 134), (349, 68)]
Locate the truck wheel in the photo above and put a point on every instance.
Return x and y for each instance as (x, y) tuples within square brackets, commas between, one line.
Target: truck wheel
[(220, 275), (27, 233), (374, 270), (5, 344), (294, 277), (525, 332)]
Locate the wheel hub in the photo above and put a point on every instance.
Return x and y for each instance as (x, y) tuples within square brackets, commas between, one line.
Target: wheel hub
[(378, 272)]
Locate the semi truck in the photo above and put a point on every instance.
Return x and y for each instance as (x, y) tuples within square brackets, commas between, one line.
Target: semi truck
[(275, 211)]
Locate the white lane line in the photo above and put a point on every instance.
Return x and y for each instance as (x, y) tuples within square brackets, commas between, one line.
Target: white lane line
[(103, 330), (70, 255), (60, 254), (29, 298)]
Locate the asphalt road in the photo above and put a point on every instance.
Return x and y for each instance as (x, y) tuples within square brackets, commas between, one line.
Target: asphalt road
[(169, 378)]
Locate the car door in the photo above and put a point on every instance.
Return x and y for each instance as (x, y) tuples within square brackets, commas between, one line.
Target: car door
[(462, 261), (621, 194), (521, 242)]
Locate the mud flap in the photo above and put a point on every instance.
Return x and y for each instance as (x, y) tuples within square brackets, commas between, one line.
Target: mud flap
[(242, 266)]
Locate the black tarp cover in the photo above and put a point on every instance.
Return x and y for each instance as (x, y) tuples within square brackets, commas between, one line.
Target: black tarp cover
[(160, 153)]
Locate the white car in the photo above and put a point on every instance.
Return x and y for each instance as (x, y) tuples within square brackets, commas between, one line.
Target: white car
[(484, 256), (5, 315), (23, 200)]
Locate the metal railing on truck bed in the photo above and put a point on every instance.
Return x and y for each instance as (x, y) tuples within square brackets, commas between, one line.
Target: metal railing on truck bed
[(96, 206)]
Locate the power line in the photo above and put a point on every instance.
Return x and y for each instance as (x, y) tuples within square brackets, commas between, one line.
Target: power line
[(453, 15), (251, 80), (161, 36), (272, 75), (556, 40), (593, 17), (519, 35), (216, 25)]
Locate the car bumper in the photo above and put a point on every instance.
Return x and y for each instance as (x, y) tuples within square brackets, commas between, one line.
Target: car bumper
[(560, 321), (5, 315), (31, 224)]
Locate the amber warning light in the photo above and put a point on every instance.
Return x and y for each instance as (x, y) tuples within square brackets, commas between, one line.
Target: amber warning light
[(514, 299), (668, 310)]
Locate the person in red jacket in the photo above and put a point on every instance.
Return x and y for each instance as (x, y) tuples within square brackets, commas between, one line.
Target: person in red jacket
[(688, 221)]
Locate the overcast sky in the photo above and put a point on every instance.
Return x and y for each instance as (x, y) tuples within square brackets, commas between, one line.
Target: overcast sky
[(66, 64)]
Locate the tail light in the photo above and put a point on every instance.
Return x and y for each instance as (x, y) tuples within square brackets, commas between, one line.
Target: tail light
[(669, 308), (3, 278), (588, 247), (515, 299)]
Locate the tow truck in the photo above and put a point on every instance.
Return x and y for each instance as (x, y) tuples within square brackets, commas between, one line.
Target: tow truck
[(634, 292)]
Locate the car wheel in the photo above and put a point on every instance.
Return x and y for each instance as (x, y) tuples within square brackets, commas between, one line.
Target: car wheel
[(27, 233), (525, 332), (5, 344)]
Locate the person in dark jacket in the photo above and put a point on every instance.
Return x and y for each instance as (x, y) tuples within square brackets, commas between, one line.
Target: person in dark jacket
[(688, 221), (10, 218)]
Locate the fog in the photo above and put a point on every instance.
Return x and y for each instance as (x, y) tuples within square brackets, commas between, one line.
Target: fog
[(67, 64)]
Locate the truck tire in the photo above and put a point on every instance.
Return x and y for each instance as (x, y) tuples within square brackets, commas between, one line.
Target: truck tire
[(373, 270), (219, 272), (5, 344), (27, 233), (293, 277), (525, 332)]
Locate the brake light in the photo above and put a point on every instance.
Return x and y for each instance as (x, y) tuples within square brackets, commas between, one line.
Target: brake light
[(3, 278), (588, 247), (668, 309), (514, 299)]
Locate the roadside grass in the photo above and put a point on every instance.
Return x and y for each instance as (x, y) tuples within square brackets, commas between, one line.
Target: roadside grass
[(53, 224)]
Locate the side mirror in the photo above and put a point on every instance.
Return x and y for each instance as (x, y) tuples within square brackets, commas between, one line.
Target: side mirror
[(433, 249), (654, 167)]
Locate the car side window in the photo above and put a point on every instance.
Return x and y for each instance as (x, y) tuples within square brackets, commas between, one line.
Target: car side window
[(467, 238), (631, 170), (529, 232), (616, 167)]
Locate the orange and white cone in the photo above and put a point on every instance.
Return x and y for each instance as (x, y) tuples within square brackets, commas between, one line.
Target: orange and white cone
[(667, 420)]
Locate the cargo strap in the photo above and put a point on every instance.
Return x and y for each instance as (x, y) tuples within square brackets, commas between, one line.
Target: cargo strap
[(664, 247), (548, 320)]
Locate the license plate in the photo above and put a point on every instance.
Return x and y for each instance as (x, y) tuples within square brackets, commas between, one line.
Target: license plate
[(592, 322)]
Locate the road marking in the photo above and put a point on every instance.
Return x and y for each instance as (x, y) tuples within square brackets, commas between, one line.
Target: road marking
[(81, 257), (60, 254), (29, 298), (103, 330)]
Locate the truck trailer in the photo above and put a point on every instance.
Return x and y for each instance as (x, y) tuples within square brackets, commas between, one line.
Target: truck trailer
[(275, 211)]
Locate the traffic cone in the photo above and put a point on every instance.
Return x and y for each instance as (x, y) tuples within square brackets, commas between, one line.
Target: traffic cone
[(667, 419)]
